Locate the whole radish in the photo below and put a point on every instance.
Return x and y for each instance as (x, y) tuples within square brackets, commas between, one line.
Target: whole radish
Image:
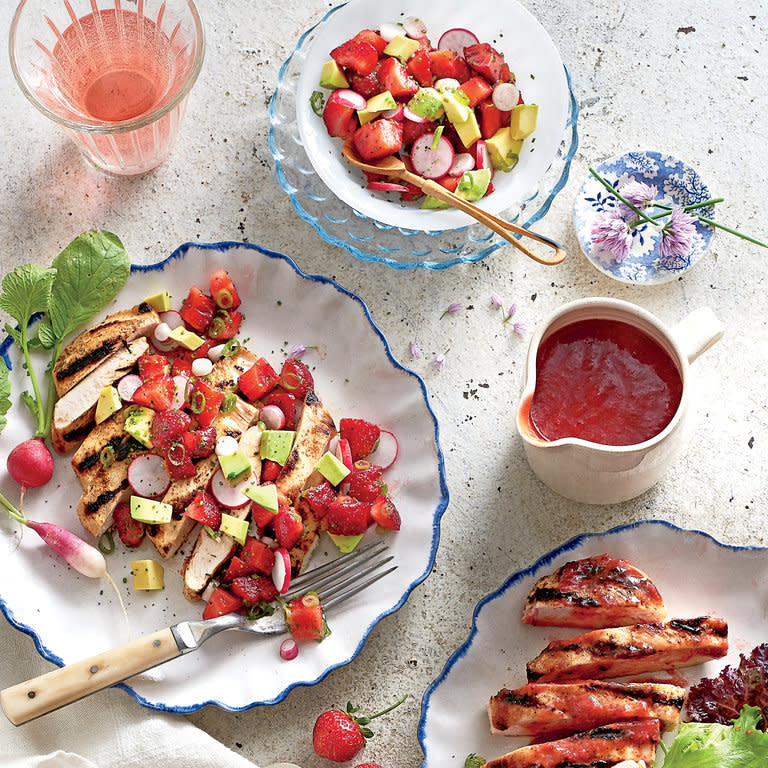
[(30, 464)]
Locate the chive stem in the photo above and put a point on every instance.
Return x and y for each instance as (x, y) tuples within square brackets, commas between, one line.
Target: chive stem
[(613, 191)]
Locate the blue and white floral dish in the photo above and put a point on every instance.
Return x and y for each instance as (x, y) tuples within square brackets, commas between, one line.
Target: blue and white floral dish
[(330, 195), (695, 574), (70, 616), (677, 184)]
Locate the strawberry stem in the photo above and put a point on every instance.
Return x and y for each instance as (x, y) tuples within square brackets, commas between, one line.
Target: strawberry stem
[(389, 708)]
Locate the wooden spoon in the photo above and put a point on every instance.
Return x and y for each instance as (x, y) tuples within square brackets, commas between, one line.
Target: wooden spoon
[(394, 167)]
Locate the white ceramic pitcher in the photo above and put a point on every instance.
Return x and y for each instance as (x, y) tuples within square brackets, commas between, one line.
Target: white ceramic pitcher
[(605, 474)]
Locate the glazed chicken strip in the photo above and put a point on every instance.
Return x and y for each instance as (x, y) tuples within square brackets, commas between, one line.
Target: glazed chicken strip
[(553, 710), (631, 650), (598, 748), (593, 593)]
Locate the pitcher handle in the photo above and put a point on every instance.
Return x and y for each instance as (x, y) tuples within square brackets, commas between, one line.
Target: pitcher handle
[(697, 332)]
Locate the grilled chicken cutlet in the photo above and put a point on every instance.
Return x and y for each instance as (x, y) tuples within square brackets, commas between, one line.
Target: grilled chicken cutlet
[(553, 710), (599, 748), (631, 650), (594, 592), (93, 346)]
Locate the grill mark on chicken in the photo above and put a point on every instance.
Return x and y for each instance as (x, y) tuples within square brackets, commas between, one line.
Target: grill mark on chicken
[(122, 445), (104, 498), (77, 365), (572, 598)]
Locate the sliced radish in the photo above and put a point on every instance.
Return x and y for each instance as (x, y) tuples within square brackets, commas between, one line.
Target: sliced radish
[(482, 155), (168, 320), (457, 40), (394, 114), (344, 453), (348, 98), (162, 332), (505, 96), (461, 164), (414, 27), (272, 416), (447, 84), (281, 570), (127, 387), (179, 392), (386, 186), (172, 319), (388, 449), (226, 495), (215, 353), (390, 31), (147, 475), (289, 649), (413, 117), (432, 163)]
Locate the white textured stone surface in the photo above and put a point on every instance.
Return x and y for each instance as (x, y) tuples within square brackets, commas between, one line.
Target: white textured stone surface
[(684, 77)]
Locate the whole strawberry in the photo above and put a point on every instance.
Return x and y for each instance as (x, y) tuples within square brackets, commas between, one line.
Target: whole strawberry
[(339, 735)]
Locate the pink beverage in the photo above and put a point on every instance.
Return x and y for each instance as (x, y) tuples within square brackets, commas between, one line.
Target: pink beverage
[(115, 80)]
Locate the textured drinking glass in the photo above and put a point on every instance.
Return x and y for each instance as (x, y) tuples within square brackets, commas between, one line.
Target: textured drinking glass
[(114, 74)]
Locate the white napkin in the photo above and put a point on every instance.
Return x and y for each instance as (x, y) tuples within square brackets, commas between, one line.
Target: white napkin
[(106, 730)]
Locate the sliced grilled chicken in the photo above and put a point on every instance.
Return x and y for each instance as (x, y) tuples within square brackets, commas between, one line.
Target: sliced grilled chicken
[(73, 413), (168, 537), (86, 460), (631, 650), (313, 434), (302, 551), (553, 710), (227, 371), (594, 592), (211, 553), (598, 748), (91, 347)]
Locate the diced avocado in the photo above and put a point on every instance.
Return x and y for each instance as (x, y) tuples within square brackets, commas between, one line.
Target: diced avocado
[(455, 110), (522, 121), (276, 444), (469, 130), (381, 102), (186, 338), (160, 302), (109, 402), (147, 574), (504, 150), (234, 527), (432, 203), (401, 46), (345, 543), (426, 102), (236, 467), (474, 184), (332, 77), (264, 495), (150, 511), (138, 424), (333, 470)]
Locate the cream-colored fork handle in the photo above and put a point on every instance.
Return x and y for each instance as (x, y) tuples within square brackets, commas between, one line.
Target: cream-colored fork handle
[(503, 228), (43, 694)]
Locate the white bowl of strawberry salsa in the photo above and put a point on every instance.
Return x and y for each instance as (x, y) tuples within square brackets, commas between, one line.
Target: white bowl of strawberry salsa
[(493, 45)]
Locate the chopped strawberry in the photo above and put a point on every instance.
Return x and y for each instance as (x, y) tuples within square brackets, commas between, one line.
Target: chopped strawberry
[(319, 498), (269, 471), (449, 182), (200, 442), (340, 120), (258, 555), (254, 589), (223, 290), (296, 378), (205, 401), (130, 531), (178, 462), (476, 90), (463, 72), (488, 62), (153, 366), (258, 380), (412, 192), (198, 310), (205, 510), (304, 616), (420, 68), (204, 349), (347, 516), (288, 527), (167, 427), (491, 118), (237, 568), (366, 85), (374, 38), (394, 78), (357, 55), (156, 394), (363, 436), (378, 139), (286, 402), (443, 63), (221, 602), (225, 325), (385, 514), (365, 482), (181, 361)]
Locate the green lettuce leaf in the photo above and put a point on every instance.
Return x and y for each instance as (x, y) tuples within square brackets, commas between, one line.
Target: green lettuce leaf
[(5, 393)]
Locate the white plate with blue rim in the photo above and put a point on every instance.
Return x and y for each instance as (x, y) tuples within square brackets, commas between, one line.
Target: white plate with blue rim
[(646, 263), (695, 574), (70, 616)]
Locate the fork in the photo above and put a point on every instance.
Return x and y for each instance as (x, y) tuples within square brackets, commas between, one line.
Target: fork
[(334, 582)]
